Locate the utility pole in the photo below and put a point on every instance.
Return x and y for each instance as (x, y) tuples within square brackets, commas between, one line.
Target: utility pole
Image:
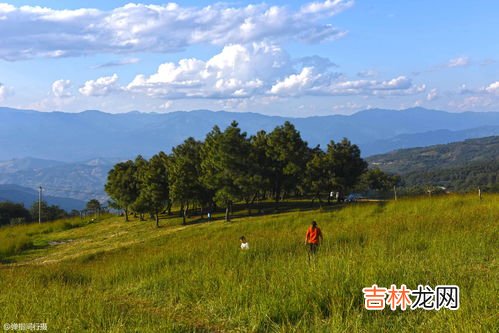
[(395, 193), (40, 205)]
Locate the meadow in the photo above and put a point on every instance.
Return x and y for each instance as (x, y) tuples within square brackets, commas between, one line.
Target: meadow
[(114, 276)]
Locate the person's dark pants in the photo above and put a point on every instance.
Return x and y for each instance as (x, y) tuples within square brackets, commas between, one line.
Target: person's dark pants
[(312, 248)]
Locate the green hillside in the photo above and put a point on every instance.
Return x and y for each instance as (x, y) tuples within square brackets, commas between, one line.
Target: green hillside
[(459, 166), (112, 276)]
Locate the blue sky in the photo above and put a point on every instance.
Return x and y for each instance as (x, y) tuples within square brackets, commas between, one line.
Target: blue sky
[(294, 58)]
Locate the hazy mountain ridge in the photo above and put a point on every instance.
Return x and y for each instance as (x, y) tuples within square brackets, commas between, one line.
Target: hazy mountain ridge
[(27, 196), (79, 136), (427, 139), (80, 181)]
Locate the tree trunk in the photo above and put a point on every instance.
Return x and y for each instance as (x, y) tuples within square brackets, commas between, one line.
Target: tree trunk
[(184, 214), (169, 208), (157, 219), (227, 213), (126, 214)]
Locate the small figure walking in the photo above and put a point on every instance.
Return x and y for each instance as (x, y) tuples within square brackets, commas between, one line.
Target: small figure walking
[(313, 238), (244, 243)]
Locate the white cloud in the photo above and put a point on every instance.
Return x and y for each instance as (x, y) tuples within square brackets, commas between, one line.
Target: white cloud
[(493, 88), (432, 95), (237, 71), (166, 105), (60, 88), (473, 103), (459, 62), (242, 71), (5, 92), (328, 7), (296, 84), (30, 32), (310, 83), (122, 62), (100, 87)]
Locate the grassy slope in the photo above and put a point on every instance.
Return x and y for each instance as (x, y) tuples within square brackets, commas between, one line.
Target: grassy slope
[(116, 276)]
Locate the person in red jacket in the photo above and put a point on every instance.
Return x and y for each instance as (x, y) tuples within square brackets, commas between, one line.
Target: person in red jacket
[(313, 237)]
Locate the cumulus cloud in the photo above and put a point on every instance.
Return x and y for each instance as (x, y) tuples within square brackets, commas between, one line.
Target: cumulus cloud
[(493, 88), (60, 88), (296, 84), (432, 95), (458, 62), (100, 87), (259, 69), (237, 71), (33, 31)]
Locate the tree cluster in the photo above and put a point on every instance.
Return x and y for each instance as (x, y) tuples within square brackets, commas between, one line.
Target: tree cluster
[(229, 167), (16, 213)]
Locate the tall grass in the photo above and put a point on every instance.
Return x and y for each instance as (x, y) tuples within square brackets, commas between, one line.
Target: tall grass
[(197, 279), (18, 238)]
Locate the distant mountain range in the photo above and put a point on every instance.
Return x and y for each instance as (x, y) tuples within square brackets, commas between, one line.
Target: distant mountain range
[(28, 196), (73, 137), (82, 181), (60, 141), (462, 165)]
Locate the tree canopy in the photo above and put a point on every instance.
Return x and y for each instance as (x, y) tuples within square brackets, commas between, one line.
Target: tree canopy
[(229, 167)]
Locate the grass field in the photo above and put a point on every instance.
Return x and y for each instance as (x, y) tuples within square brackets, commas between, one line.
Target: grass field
[(112, 276)]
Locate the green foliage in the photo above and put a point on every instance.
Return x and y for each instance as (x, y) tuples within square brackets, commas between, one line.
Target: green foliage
[(459, 166), (185, 174), (155, 189), (122, 185), (484, 175), (48, 213), (141, 204), (288, 154), (226, 164), (377, 180), (317, 178), (93, 205), (345, 164), (13, 212), (337, 169), (228, 167)]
